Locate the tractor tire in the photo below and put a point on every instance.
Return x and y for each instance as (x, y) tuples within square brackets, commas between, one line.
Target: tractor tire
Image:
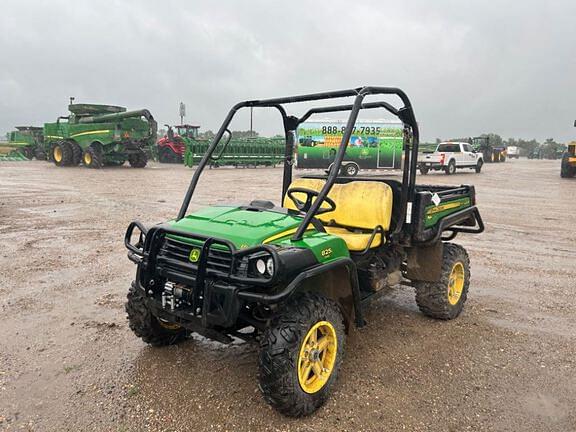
[(297, 367), (424, 170), (167, 155), (445, 298), (28, 153), (479, 167), (76, 154), (40, 154), (138, 160), (566, 171), (62, 153), (351, 170), (451, 168), (92, 158), (146, 326)]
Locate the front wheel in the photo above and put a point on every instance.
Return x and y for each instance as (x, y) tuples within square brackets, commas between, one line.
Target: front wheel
[(138, 160), (28, 152), (424, 170), (167, 155), (445, 298), (300, 355), (146, 326), (40, 154), (62, 153), (478, 167)]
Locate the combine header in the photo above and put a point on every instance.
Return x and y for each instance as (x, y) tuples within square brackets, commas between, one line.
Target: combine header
[(238, 152), (99, 135)]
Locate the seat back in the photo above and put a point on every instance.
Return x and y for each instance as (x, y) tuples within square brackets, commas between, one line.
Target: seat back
[(359, 204)]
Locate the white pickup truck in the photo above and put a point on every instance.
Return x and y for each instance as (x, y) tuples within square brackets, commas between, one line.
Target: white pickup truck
[(449, 156)]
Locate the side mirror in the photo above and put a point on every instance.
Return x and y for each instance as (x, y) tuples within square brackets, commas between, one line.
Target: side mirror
[(574, 123)]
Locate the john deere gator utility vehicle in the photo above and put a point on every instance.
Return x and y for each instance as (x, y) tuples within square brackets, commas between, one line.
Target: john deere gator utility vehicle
[(28, 141), (98, 135), (299, 274), (568, 164)]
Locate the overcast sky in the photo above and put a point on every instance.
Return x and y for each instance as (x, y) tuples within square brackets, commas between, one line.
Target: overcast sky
[(507, 67)]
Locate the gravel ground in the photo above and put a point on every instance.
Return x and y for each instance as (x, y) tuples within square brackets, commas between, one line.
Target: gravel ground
[(68, 361)]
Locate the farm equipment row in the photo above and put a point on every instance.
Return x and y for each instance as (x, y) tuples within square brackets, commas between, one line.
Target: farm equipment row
[(94, 135), (238, 152)]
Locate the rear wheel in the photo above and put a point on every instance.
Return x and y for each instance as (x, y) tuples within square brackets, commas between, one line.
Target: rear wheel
[(138, 160), (424, 170), (92, 158), (167, 155), (39, 153), (351, 170), (300, 355), (76, 154), (146, 326), (566, 171), (445, 298), (28, 152), (479, 166), (62, 153), (451, 168)]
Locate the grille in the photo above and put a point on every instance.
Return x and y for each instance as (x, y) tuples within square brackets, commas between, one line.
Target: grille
[(174, 256)]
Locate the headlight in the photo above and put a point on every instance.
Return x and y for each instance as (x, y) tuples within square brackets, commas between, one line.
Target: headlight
[(261, 266), (270, 266)]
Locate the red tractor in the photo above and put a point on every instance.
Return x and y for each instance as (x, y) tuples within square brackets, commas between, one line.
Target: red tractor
[(172, 146)]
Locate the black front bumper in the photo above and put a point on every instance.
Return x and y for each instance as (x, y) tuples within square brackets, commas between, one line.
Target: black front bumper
[(213, 286)]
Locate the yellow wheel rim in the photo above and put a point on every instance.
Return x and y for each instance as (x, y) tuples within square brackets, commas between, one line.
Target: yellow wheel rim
[(87, 158), (317, 357), (58, 154), (456, 283)]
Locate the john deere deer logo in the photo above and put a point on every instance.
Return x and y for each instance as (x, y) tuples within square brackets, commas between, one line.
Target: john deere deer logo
[(194, 255)]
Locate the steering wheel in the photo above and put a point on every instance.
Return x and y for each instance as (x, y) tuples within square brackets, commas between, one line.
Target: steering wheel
[(304, 206)]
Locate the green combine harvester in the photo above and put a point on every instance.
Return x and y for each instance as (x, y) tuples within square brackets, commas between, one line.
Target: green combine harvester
[(98, 135), (25, 143), (238, 152)]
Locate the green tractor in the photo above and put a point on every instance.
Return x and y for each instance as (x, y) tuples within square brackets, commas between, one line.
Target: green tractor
[(28, 141), (568, 164), (297, 276), (98, 135), (490, 150)]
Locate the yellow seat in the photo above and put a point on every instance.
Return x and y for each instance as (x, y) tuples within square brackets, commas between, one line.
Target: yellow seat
[(356, 241), (361, 206)]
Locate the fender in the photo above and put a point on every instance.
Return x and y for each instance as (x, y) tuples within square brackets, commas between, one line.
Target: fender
[(299, 282)]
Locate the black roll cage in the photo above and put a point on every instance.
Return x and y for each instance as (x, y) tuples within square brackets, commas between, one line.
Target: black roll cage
[(291, 123)]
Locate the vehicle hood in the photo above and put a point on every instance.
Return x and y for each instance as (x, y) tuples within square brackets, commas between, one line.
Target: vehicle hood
[(243, 226)]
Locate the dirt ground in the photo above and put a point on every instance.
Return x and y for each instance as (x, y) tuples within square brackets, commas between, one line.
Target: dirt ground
[(68, 361)]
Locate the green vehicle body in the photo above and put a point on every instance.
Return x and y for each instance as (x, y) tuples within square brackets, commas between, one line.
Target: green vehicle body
[(373, 145), (238, 152), (246, 228), (113, 134), (27, 141), (277, 272)]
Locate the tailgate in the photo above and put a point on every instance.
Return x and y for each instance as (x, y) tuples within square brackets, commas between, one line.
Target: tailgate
[(441, 208), (429, 158)]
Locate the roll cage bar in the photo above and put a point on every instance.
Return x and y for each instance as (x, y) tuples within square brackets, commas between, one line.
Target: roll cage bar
[(291, 123)]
